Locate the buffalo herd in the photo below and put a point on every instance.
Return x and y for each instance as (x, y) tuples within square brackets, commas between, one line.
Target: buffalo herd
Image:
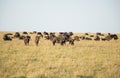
[(61, 38)]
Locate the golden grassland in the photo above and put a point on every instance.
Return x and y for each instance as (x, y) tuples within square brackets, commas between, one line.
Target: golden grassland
[(86, 59)]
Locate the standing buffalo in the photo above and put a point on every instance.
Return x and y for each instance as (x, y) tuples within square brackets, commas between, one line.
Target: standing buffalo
[(62, 38), (37, 38), (59, 39), (27, 40)]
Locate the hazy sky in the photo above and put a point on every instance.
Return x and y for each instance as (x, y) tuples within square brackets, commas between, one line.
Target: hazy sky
[(60, 15)]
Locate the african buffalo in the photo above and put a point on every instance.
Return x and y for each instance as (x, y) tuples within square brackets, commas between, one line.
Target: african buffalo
[(22, 37), (97, 38), (39, 33), (88, 38), (86, 34), (71, 41), (77, 38), (59, 39), (25, 32), (6, 38), (37, 38), (45, 33), (27, 40), (110, 37), (113, 36), (34, 32), (82, 37), (98, 33), (17, 35)]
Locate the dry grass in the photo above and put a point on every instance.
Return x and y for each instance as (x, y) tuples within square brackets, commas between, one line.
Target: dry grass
[(86, 59)]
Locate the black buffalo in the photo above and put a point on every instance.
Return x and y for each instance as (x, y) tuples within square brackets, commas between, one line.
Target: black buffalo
[(82, 37), (113, 36), (17, 35), (71, 41), (110, 37), (59, 39), (37, 38), (88, 38), (45, 33), (21, 37), (62, 38), (77, 38), (6, 38), (25, 32), (27, 40), (40, 34), (98, 33), (97, 38), (86, 34)]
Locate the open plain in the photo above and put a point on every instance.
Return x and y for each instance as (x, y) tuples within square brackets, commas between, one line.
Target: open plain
[(84, 59)]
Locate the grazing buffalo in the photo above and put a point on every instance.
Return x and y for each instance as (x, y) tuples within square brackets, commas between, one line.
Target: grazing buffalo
[(61, 32), (97, 38), (34, 32), (86, 34), (27, 40), (104, 39), (6, 38), (25, 32), (60, 39), (70, 33), (54, 40), (22, 37), (45, 33), (37, 38), (91, 35), (107, 38), (39, 33), (77, 38), (110, 37), (17, 35), (113, 36), (88, 38), (71, 41), (98, 33), (47, 37), (52, 33), (82, 37)]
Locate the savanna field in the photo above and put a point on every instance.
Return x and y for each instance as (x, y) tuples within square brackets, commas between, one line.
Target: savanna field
[(84, 59)]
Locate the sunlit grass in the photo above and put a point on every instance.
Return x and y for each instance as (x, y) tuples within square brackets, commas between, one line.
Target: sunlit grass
[(86, 59)]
